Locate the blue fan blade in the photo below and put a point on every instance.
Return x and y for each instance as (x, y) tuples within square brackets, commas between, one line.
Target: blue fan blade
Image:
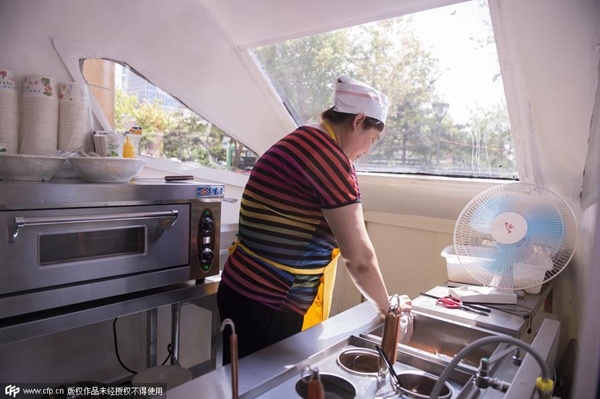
[(484, 214), (545, 227), (502, 263)]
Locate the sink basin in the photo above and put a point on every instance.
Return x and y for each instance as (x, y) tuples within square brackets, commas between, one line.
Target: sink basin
[(444, 338), (333, 386), (368, 385), (360, 361), (434, 342)]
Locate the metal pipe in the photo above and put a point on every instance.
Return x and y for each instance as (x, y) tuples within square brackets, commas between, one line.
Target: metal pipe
[(482, 342), (175, 321), (500, 355), (233, 350), (152, 337)]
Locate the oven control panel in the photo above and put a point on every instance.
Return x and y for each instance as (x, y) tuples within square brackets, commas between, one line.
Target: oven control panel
[(205, 241)]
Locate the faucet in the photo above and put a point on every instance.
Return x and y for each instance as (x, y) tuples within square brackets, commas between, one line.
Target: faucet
[(233, 350), (543, 383)]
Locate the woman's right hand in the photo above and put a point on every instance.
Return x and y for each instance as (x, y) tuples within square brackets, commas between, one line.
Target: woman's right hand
[(405, 303)]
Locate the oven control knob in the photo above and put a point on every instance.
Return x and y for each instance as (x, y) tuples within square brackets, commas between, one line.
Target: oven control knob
[(207, 224), (207, 255)]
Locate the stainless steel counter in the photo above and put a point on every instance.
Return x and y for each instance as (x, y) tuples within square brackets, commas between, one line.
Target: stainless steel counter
[(499, 321), (276, 364), (273, 371)]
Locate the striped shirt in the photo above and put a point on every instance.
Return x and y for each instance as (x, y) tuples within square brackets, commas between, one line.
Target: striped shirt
[(284, 237)]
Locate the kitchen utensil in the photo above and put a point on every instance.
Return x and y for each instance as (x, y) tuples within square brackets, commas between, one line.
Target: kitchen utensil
[(470, 305), (389, 366), (233, 345), (449, 302)]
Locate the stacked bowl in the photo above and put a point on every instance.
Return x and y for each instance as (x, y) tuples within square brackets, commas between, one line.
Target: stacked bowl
[(9, 112)]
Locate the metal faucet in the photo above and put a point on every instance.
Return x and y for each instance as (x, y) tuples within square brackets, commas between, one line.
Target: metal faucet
[(233, 351), (544, 383)]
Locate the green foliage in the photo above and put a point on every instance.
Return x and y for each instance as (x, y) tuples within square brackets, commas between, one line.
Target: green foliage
[(181, 135)]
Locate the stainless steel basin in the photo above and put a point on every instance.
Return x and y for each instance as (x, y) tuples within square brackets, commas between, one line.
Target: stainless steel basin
[(367, 386), (443, 338), (334, 386), (434, 342)]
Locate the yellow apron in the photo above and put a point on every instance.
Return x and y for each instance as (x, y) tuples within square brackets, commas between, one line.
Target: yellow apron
[(319, 310)]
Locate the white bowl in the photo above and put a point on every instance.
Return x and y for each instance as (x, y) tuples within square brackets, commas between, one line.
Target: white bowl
[(106, 170), (23, 167)]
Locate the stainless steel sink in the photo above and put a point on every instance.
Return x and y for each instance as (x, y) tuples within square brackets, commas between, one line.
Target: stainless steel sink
[(443, 338), (434, 342)]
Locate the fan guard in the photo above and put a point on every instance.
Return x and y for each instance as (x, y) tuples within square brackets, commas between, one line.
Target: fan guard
[(515, 236)]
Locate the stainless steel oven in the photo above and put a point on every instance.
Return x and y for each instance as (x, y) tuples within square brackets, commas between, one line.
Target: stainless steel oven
[(69, 242)]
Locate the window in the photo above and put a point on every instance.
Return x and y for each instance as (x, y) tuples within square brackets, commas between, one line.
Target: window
[(440, 69), (170, 129)]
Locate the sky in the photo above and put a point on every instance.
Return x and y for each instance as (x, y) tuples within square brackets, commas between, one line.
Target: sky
[(468, 71)]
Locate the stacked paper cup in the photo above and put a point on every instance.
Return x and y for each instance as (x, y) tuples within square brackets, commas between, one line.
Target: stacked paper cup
[(9, 112), (38, 134), (75, 127)]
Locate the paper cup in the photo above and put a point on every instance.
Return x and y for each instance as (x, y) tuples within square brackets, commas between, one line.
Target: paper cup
[(39, 86), (9, 112), (8, 81), (73, 92)]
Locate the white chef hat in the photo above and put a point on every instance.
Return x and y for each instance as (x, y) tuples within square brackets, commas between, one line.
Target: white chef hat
[(355, 97)]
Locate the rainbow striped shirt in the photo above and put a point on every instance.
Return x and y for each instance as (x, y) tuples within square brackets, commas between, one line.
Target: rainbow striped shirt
[(283, 234)]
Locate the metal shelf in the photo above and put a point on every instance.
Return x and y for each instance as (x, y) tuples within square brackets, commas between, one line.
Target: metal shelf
[(33, 325)]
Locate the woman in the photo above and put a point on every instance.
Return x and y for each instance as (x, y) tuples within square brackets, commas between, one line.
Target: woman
[(300, 210)]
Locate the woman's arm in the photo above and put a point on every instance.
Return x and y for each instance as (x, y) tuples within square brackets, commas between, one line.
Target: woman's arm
[(348, 226)]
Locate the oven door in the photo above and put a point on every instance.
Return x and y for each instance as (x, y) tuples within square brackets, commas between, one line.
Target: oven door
[(42, 249)]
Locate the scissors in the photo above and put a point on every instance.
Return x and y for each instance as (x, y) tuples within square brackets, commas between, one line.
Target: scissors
[(453, 303)]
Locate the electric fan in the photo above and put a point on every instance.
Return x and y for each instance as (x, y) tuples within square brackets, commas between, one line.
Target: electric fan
[(511, 237)]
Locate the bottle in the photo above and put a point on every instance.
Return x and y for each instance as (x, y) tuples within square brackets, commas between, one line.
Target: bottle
[(135, 135), (128, 149)]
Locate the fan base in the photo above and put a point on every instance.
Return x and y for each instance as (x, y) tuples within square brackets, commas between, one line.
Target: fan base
[(476, 294)]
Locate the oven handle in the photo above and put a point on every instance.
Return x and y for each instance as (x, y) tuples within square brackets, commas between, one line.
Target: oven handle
[(168, 219)]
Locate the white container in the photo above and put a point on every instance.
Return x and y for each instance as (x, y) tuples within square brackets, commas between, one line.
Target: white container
[(456, 271), (524, 274), (109, 144)]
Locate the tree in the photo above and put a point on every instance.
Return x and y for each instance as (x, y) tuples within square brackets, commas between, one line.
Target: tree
[(182, 134), (390, 56)]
